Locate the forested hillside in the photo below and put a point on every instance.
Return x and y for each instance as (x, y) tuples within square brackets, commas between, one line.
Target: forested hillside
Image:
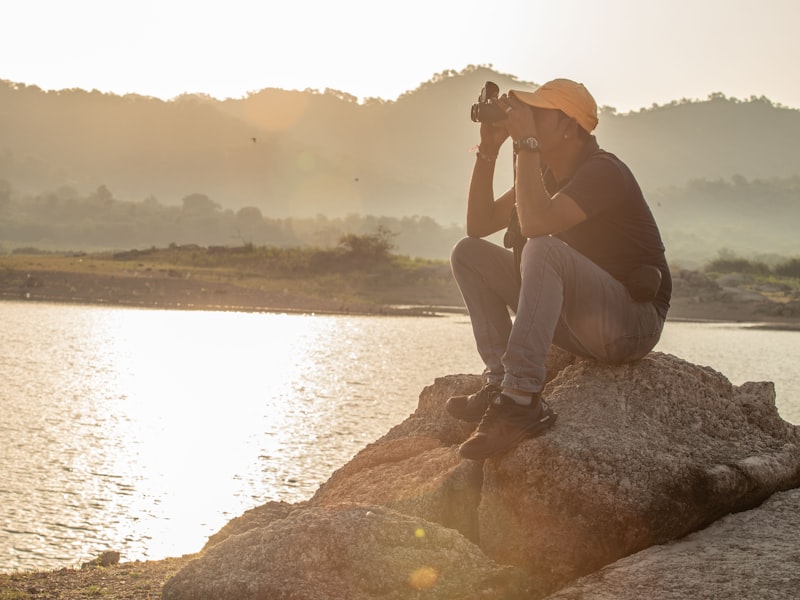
[(86, 169)]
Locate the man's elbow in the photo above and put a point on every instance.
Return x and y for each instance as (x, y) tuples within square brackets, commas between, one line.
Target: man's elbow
[(474, 232), (531, 231), (478, 230)]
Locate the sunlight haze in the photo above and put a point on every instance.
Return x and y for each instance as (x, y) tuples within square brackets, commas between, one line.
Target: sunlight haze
[(630, 54)]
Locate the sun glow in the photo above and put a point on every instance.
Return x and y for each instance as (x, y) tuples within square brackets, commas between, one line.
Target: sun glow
[(221, 416)]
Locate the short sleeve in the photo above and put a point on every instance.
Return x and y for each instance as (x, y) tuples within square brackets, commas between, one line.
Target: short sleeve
[(597, 186)]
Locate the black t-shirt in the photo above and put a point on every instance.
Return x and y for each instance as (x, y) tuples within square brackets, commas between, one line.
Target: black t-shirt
[(620, 233)]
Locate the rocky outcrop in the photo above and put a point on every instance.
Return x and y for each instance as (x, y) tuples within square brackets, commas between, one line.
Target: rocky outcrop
[(641, 455), (752, 554), (351, 552), (260, 516)]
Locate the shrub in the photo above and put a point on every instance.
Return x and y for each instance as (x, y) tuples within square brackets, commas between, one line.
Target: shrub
[(790, 268), (374, 246), (737, 265)]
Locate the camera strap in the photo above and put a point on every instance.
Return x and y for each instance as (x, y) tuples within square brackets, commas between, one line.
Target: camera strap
[(513, 237)]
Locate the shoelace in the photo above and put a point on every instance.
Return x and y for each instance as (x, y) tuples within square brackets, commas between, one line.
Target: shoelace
[(490, 416), (487, 391), (493, 412)]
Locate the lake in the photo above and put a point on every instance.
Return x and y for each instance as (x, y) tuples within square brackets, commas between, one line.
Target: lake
[(145, 431)]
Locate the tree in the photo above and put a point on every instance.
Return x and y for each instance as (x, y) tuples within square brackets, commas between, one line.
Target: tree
[(103, 196), (375, 245), (199, 205), (249, 215)]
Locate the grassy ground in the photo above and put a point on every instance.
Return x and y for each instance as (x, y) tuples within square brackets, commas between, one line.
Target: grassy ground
[(328, 281), (234, 279)]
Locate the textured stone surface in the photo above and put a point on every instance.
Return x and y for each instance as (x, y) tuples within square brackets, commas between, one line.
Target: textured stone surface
[(641, 454), (357, 553), (412, 477), (260, 516), (752, 555)]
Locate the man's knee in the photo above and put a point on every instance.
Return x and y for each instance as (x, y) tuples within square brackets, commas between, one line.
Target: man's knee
[(545, 248), (544, 243), (465, 251)]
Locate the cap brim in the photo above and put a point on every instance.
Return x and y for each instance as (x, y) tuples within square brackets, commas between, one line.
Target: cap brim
[(532, 99)]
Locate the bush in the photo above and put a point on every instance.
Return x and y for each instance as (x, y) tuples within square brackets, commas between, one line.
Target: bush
[(790, 268), (374, 246), (737, 265)]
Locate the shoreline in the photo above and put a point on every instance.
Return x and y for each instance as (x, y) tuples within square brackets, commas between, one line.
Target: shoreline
[(747, 314), (758, 324), (378, 310), (217, 290), (103, 282)]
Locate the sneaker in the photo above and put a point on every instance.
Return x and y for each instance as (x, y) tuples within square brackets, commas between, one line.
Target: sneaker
[(505, 425), (471, 408)]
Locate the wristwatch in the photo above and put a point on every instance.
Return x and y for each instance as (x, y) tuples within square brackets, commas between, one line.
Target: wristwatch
[(528, 144)]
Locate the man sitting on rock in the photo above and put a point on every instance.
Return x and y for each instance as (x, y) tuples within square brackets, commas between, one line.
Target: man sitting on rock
[(587, 272)]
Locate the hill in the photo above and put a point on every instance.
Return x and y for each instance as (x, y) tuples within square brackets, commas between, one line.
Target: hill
[(302, 154)]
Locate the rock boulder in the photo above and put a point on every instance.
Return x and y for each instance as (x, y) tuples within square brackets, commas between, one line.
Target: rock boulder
[(353, 552), (641, 454), (749, 555)]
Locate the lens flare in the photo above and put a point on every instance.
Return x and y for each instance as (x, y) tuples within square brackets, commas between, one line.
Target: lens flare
[(423, 578)]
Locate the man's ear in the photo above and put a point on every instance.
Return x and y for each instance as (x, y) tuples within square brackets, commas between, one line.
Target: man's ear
[(571, 128)]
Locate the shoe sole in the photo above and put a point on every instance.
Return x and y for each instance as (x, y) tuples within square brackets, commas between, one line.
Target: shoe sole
[(534, 430)]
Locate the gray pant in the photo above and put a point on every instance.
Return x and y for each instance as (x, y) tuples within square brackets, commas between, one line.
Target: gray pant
[(565, 299)]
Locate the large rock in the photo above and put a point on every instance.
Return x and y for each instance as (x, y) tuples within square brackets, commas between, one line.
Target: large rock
[(352, 552), (260, 516), (641, 454), (752, 555)]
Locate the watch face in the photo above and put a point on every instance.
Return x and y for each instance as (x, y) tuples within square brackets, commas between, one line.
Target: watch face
[(530, 143)]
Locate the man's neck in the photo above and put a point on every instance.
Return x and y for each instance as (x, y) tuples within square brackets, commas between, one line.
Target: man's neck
[(571, 155)]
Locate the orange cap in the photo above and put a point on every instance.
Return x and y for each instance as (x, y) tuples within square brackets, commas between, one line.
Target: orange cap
[(571, 98)]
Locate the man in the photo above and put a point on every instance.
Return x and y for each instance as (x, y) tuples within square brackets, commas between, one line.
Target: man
[(590, 274)]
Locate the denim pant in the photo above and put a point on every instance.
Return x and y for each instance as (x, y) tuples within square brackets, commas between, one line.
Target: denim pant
[(565, 299)]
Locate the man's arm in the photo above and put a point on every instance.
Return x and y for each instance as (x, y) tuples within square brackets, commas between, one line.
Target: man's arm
[(485, 215), (539, 213)]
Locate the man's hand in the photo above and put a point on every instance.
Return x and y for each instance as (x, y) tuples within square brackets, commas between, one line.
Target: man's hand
[(519, 122), (494, 134)]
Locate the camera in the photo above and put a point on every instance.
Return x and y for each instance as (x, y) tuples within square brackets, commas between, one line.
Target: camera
[(484, 112)]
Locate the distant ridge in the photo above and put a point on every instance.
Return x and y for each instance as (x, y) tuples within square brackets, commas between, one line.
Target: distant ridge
[(302, 154)]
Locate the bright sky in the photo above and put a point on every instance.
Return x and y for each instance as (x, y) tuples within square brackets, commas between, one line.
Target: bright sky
[(629, 53)]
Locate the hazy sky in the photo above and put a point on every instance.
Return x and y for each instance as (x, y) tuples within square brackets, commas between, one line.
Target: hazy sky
[(629, 53)]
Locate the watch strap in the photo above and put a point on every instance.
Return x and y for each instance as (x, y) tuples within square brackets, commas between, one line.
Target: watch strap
[(528, 144)]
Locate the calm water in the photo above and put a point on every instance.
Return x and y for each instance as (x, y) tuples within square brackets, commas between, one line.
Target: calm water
[(145, 431)]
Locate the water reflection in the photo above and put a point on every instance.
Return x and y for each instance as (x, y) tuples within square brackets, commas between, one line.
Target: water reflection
[(146, 431)]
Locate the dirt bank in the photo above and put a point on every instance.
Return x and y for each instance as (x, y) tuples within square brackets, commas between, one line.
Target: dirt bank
[(695, 296)]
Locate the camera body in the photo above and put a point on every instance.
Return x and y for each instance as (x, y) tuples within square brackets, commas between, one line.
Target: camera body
[(485, 112)]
